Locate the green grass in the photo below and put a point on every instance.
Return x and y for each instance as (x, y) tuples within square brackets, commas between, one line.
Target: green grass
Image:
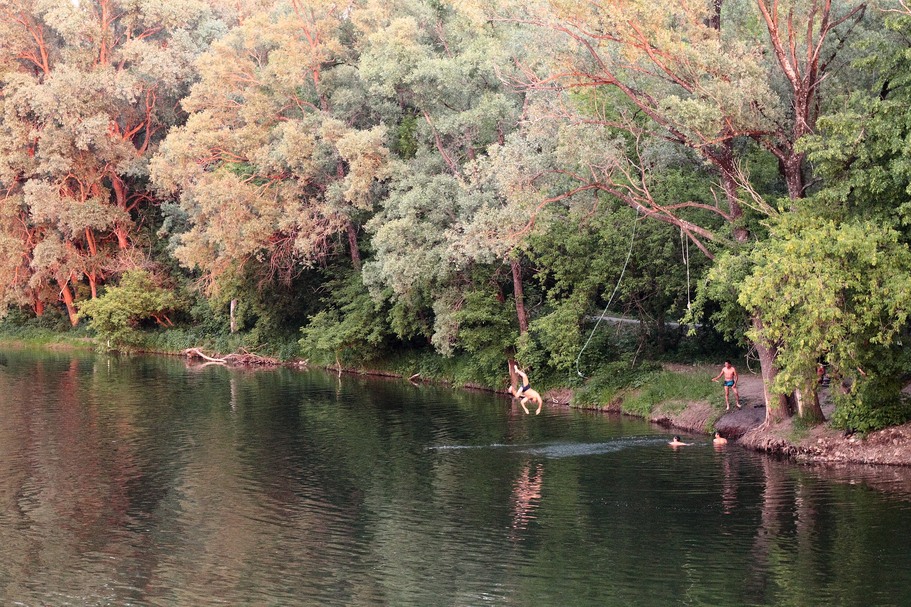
[(639, 390), (42, 337), (672, 390)]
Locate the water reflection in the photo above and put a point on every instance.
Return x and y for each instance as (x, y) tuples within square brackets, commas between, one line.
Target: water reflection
[(526, 494), (141, 481), (729, 482)]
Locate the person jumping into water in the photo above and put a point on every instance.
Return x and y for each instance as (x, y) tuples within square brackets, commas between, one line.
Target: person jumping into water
[(730, 382), (525, 392), (524, 384)]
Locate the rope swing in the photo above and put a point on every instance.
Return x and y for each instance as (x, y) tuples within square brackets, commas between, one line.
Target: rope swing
[(685, 249), (609, 301)]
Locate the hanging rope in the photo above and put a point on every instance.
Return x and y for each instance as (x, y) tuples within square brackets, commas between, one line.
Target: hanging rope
[(609, 301), (685, 250)]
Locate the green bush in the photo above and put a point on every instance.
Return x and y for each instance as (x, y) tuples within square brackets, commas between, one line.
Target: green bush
[(872, 405), (117, 315), (351, 329)]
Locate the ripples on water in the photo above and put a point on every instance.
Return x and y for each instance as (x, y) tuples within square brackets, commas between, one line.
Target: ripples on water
[(144, 482)]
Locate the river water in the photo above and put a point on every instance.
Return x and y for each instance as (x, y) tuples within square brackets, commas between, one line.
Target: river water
[(144, 481)]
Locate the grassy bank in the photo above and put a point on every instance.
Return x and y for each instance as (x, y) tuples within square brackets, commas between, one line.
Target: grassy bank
[(41, 337), (642, 390)]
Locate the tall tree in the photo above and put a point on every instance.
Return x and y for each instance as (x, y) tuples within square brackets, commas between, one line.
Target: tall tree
[(280, 153), (839, 266), (88, 89), (436, 70), (833, 292)]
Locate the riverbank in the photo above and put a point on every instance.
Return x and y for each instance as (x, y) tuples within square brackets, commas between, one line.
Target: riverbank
[(820, 444), (746, 426)]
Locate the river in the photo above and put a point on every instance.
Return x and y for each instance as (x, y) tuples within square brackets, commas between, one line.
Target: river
[(144, 481)]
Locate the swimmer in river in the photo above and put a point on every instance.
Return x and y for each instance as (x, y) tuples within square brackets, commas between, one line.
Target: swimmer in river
[(719, 440), (677, 442)]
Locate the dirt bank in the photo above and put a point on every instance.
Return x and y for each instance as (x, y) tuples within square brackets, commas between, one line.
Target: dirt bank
[(821, 444)]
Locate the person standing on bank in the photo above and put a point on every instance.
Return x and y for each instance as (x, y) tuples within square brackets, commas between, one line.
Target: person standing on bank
[(730, 383)]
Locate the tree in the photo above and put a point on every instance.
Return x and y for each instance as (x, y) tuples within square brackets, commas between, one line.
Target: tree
[(833, 292), (436, 71), (280, 154), (840, 264), (88, 89)]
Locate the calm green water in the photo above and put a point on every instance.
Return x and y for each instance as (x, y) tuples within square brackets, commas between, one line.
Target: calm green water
[(141, 481)]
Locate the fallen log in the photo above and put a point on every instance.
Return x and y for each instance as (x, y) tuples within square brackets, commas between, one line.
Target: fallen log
[(242, 358), (197, 353)]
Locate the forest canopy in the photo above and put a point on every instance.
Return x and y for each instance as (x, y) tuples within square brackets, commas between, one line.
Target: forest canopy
[(482, 180)]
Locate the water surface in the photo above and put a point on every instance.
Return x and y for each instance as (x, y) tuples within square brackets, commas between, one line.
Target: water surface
[(144, 481)]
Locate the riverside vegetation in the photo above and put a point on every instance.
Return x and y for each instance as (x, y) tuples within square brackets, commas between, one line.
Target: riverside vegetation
[(444, 188)]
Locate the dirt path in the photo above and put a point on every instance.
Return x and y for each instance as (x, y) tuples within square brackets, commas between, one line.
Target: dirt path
[(737, 422)]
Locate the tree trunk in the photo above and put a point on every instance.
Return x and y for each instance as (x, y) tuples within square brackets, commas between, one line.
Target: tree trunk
[(233, 307), (809, 408), (120, 193), (776, 405), (68, 300), (519, 295), (123, 241), (728, 169), (792, 170), (352, 244)]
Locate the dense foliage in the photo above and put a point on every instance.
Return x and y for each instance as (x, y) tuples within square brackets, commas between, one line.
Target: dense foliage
[(477, 180)]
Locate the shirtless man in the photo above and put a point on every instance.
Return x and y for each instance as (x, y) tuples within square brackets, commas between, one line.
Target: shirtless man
[(525, 392), (719, 440), (676, 442), (523, 385), (730, 382)]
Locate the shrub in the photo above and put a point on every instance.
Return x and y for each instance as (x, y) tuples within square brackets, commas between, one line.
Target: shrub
[(117, 315)]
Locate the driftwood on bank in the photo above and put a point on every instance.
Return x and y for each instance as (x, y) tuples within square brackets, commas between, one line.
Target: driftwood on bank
[(239, 359)]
